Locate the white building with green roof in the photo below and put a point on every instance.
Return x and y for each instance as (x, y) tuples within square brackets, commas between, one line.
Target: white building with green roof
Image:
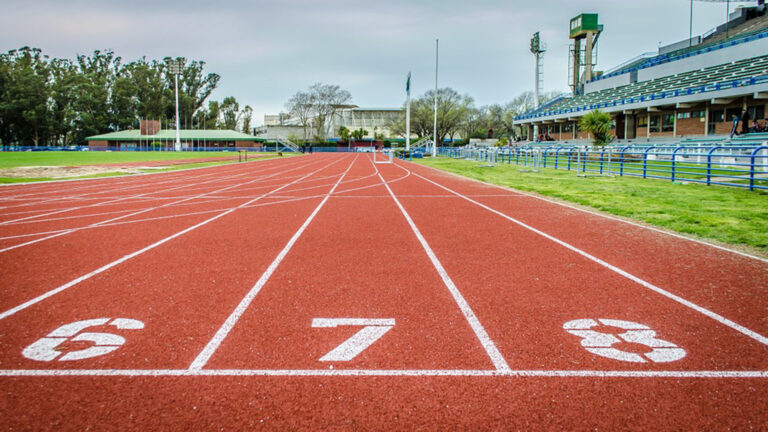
[(164, 139)]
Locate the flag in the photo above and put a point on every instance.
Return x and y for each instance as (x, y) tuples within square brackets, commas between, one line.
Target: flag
[(408, 84)]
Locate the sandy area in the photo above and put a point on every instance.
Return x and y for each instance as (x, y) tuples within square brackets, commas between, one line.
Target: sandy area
[(69, 171)]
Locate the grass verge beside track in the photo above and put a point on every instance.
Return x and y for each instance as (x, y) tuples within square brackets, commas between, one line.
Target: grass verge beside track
[(62, 158), (50, 159), (723, 214)]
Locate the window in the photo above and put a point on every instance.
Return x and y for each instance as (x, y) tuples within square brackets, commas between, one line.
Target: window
[(756, 112), (698, 114), (683, 115), (716, 116), (642, 121), (667, 122), (653, 124)]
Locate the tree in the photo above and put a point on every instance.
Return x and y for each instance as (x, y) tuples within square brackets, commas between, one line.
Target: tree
[(300, 106), (25, 87), (452, 109), (328, 100), (247, 115), (230, 112), (598, 123), (343, 133), (316, 108), (359, 134)]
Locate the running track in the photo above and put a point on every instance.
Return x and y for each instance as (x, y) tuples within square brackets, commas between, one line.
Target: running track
[(327, 291)]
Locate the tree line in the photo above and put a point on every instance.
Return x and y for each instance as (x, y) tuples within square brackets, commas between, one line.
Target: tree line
[(457, 114), (58, 101)]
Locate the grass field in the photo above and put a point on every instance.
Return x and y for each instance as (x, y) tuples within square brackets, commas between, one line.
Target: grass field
[(11, 160), (19, 159), (724, 214)]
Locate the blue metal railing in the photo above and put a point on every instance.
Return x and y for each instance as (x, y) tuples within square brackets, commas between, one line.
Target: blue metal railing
[(743, 166)]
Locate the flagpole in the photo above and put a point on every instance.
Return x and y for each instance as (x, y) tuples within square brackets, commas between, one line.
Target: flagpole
[(434, 143), (408, 114)]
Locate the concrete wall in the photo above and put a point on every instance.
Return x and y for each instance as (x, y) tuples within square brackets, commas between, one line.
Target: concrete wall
[(606, 83)]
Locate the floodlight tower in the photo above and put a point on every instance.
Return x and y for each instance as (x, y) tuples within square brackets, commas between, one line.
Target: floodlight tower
[(585, 27), (174, 67), (537, 49)]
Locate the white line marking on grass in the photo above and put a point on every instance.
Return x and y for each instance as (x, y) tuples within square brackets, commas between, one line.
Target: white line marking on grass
[(719, 318), (231, 321), (603, 374), (490, 348), (680, 236), (106, 267)]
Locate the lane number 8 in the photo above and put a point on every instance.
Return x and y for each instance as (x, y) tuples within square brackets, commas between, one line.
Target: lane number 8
[(602, 344)]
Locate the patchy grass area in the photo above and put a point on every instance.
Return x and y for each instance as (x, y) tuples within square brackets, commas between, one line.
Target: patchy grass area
[(62, 158), (132, 157), (724, 214)]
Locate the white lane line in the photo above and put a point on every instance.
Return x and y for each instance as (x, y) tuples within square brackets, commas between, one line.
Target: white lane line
[(231, 321), (97, 224), (680, 236), (490, 348), (128, 177), (699, 374), (171, 178), (110, 201), (281, 200), (719, 318), (106, 267)]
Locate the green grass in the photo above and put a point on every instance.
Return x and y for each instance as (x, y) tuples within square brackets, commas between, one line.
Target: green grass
[(725, 214), (19, 159), (165, 156)]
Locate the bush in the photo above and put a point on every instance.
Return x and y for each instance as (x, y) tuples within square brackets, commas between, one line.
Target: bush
[(598, 123)]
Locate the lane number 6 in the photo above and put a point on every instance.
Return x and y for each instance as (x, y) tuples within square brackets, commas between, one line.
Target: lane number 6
[(44, 349)]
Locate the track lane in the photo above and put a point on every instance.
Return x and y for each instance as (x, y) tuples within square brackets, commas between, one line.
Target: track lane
[(177, 290), (39, 268), (730, 284), (528, 287), (353, 261)]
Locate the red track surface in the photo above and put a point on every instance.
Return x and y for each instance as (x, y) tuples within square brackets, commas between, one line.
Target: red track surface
[(235, 273)]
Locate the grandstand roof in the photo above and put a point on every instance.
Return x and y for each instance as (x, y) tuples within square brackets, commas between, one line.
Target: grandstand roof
[(170, 135), (698, 84)]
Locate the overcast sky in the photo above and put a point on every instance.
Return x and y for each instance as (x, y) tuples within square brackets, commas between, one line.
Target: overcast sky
[(265, 51)]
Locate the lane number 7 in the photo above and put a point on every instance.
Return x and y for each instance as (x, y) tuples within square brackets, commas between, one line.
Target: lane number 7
[(373, 330)]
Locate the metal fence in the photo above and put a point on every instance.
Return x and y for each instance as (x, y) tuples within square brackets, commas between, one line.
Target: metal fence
[(737, 166)]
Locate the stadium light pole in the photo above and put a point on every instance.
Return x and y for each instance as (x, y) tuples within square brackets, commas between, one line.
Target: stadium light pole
[(434, 130), (175, 69)]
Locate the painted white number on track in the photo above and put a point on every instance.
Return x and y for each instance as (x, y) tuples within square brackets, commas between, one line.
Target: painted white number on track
[(44, 349), (602, 343), (373, 330)]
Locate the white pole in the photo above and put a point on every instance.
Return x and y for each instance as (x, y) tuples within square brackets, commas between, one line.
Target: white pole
[(178, 134), (434, 144), (408, 115)]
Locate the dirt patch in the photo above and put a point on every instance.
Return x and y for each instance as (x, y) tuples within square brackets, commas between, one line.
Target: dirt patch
[(70, 171)]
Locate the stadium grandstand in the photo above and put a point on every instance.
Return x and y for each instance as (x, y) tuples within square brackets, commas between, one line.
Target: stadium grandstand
[(150, 136), (689, 89)]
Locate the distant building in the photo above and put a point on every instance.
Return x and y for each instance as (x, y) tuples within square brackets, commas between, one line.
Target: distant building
[(372, 120)]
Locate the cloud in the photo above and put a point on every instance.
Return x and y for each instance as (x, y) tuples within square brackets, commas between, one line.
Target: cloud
[(267, 50)]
